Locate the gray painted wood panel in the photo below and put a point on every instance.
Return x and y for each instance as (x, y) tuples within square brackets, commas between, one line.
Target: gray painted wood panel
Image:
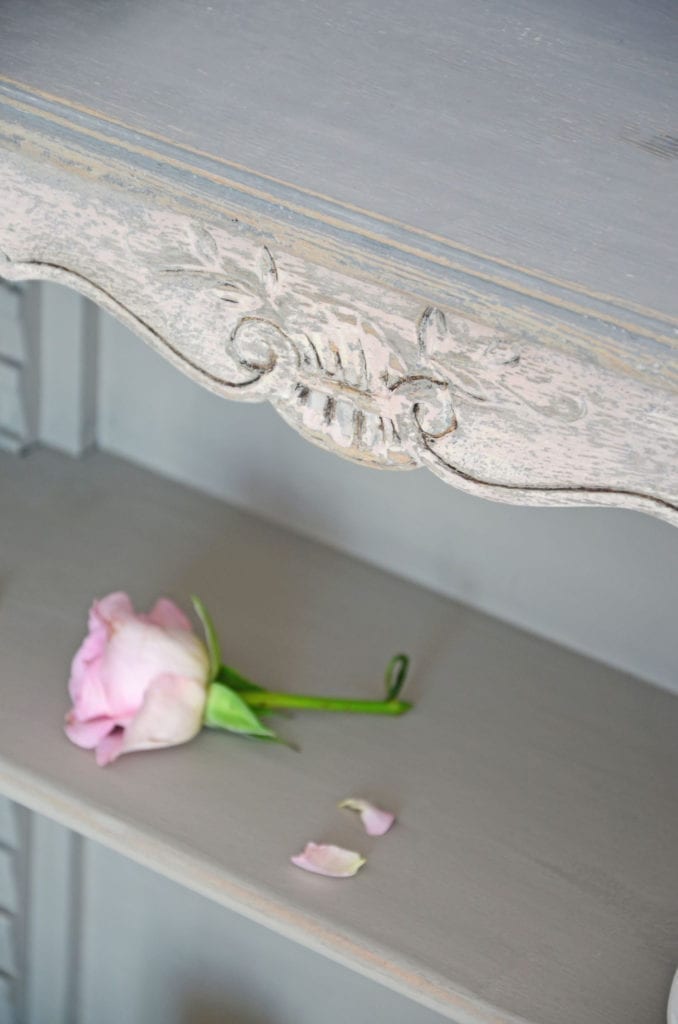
[(438, 236), (151, 950), (533, 873), (543, 134), (520, 406)]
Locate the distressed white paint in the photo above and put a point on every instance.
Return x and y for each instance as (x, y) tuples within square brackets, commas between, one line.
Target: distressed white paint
[(565, 414), (376, 375)]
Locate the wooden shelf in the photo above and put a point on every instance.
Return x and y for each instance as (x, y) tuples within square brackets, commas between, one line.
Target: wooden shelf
[(434, 234), (534, 871)]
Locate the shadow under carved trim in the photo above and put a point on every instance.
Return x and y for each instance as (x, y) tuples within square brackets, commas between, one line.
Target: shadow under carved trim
[(374, 375)]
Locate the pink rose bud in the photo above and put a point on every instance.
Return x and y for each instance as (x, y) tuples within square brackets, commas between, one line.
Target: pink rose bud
[(138, 682)]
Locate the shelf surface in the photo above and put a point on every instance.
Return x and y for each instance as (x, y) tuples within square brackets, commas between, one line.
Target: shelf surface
[(537, 133), (533, 874)]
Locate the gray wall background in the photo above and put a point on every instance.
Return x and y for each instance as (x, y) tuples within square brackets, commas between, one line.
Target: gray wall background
[(602, 581)]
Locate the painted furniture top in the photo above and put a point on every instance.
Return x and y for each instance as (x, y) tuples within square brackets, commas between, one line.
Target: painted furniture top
[(437, 234), (538, 133), (532, 876)]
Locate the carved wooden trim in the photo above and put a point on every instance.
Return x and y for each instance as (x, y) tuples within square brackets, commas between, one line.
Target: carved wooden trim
[(17, 429), (376, 374)]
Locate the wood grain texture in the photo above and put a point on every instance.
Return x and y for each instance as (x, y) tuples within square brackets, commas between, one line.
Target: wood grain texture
[(540, 133), (532, 876), (373, 373)]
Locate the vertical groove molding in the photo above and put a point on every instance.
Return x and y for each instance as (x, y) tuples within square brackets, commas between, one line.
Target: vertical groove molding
[(53, 925), (13, 821), (18, 371), (48, 368), (68, 332)]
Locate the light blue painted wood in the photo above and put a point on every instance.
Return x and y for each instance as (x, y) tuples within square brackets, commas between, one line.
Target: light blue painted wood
[(538, 133)]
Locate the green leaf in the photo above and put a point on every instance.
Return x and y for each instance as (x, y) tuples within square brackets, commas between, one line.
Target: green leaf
[(396, 674), (230, 677), (211, 638), (237, 682), (226, 710)]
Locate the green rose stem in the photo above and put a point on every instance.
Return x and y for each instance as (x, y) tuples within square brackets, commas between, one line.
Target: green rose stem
[(271, 700), (233, 700), (267, 700)]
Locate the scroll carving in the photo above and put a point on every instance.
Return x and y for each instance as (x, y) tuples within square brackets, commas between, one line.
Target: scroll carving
[(341, 380), (376, 375)]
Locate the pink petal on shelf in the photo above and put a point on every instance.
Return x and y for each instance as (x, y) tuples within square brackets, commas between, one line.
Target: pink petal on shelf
[(332, 861), (376, 821)]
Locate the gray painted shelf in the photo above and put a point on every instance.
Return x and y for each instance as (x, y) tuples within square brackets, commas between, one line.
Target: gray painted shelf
[(533, 873)]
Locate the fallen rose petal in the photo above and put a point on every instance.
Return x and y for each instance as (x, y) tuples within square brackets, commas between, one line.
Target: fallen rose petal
[(332, 861), (376, 821)]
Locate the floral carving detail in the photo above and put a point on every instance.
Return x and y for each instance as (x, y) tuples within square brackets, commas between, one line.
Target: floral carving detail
[(331, 373), (340, 380), (476, 370), (334, 374)]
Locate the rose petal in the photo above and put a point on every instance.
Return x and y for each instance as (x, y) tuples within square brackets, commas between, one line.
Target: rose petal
[(166, 614), (87, 734), (332, 861), (110, 748), (85, 686), (138, 653), (376, 821), (111, 611), (171, 714)]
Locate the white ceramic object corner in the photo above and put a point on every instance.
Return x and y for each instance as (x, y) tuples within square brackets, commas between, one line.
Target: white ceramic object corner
[(672, 1008)]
